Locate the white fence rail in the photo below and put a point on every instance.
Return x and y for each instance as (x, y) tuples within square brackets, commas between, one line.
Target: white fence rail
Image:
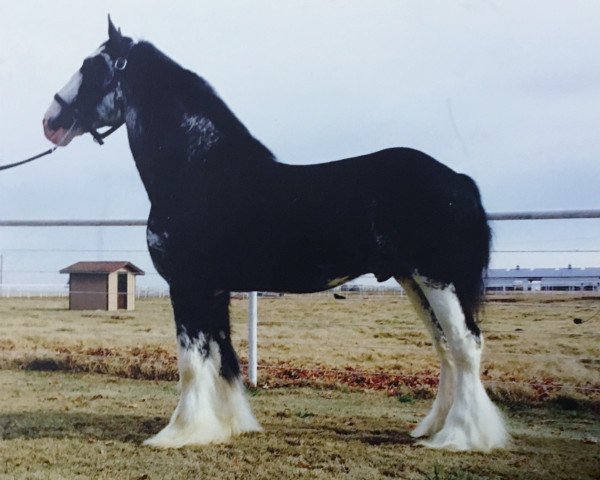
[(498, 216), (62, 290)]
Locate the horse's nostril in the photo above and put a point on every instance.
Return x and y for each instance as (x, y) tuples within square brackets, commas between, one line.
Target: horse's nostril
[(49, 123), (46, 126)]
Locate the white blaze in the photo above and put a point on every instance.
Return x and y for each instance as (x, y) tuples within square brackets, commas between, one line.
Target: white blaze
[(67, 93)]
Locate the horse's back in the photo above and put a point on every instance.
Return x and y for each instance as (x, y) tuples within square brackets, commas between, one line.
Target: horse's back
[(400, 210), (298, 228), (401, 183), (393, 172)]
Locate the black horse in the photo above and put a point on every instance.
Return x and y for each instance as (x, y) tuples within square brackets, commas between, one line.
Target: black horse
[(226, 216)]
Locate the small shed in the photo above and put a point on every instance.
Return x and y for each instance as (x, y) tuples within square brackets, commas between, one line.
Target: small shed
[(102, 285)]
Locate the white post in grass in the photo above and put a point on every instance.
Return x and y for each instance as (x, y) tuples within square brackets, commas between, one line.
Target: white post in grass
[(252, 338)]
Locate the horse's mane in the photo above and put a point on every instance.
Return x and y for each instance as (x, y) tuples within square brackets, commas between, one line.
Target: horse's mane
[(160, 77)]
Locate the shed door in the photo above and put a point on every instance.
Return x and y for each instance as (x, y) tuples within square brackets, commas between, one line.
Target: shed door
[(122, 291)]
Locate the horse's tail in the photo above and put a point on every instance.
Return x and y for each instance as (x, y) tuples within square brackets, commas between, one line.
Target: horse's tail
[(476, 233)]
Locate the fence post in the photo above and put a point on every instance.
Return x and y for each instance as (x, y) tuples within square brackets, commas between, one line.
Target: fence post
[(252, 338)]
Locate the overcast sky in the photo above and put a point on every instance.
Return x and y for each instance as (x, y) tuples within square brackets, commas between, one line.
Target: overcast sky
[(505, 91)]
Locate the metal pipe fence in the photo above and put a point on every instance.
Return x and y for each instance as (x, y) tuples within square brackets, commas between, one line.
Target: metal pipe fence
[(253, 318), (498, 216)]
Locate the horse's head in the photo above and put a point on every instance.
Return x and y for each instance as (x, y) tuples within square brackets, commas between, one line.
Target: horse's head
[(90, 99)]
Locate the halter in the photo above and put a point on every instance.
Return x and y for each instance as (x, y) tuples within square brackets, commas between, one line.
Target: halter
[(119, 65), (82, 121)]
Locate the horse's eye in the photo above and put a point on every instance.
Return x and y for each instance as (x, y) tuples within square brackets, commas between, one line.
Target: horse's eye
[(95, 70)]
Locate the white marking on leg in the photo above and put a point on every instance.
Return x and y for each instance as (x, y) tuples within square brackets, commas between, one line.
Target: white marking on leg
[(434, 420), (473, 422), (210, 409)]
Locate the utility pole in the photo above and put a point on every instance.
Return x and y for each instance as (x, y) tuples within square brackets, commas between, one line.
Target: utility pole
[(252, 339)]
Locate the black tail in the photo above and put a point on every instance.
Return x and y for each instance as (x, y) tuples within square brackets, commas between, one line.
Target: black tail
[(476, 235)]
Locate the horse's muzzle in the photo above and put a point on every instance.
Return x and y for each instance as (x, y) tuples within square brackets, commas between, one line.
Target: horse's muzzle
[(60, 136)]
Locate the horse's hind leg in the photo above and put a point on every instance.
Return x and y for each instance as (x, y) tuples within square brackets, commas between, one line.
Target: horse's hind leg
[(473, 422), (212, 405), (434, 420)]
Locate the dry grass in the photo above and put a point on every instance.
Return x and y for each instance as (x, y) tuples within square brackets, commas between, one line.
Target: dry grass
[(534, 350), (55, 425), (65, 425)]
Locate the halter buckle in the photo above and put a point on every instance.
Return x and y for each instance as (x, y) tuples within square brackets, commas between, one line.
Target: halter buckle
[(120, 63)]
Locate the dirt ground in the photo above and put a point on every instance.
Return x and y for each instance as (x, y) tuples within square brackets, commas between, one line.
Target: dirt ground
[(341, 383)]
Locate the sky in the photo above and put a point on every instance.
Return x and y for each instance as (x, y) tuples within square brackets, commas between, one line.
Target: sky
[(507, 92)]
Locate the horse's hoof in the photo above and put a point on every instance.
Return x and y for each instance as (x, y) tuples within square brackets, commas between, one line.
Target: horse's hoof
[(172, 437), (429, 426), (473, 438)]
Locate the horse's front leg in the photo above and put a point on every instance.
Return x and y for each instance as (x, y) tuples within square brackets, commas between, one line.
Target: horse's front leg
[(212, 406)]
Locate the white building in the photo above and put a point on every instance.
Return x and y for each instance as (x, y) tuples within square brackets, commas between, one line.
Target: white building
[(546, 279)]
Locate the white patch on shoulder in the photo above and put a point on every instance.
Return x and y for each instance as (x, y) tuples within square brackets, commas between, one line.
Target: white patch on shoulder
[(157, 240), (134, 126), (210, 409), (202, 133)]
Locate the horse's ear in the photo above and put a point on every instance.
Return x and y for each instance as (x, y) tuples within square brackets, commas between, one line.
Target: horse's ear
[(114, 35)]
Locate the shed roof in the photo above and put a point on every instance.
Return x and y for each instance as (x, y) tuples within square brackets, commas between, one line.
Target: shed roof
[(101, 267)]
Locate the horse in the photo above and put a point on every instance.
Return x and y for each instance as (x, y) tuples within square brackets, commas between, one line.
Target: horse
[(227, 216)]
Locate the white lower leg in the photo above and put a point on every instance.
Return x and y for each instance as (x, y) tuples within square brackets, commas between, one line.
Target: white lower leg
[(210, 408), (436, 417), (434, 420), (473, 422)]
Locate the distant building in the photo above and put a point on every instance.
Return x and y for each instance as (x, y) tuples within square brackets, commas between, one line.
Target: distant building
[(102, 285), (543, 279)]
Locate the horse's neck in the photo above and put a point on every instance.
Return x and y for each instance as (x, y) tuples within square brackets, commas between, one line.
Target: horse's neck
[(176, 124)]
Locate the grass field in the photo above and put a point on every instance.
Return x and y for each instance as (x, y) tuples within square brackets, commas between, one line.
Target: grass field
[(340, 385)]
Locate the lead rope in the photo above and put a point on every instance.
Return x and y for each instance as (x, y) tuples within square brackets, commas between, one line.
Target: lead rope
[(40, 155), (119, 65)]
